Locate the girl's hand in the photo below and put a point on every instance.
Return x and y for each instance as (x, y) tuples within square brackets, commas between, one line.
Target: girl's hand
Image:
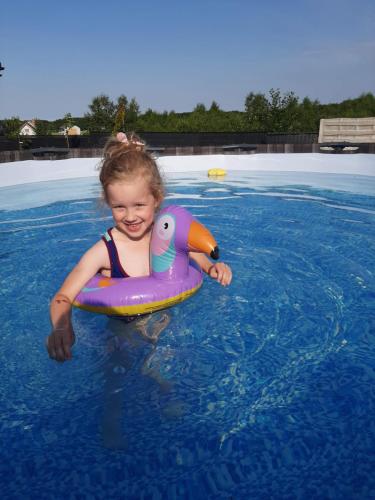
[(220, 272), (59, 343)]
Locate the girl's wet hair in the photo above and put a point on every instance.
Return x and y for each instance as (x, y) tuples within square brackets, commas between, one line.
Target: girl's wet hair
[(126, 156)]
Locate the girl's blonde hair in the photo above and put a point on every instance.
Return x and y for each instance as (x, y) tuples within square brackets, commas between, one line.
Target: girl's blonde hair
[(126, 156)]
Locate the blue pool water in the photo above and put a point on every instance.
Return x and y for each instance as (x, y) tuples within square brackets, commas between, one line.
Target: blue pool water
[(261, 390)]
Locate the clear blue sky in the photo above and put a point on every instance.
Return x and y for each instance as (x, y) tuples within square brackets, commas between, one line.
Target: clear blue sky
[(170, 55)]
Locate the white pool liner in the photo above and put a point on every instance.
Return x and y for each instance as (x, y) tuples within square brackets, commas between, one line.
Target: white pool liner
[(24, 172)]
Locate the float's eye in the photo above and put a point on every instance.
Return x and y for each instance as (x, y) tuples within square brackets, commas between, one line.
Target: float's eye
[(165, 227)]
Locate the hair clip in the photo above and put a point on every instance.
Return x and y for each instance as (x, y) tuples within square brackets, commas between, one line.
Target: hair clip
[(121, 137)]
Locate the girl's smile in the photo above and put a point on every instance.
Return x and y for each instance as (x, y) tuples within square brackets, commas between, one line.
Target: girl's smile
[(133, 227)]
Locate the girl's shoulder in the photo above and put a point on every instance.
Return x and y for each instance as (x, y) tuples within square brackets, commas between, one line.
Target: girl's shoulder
[(97, 252)]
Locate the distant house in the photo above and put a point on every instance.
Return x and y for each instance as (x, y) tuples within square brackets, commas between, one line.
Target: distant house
[(75, 130), (28, 128)]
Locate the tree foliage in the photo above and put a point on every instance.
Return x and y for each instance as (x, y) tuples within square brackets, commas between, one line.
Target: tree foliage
[(68, 121), (102, 114), (199, 108), (362, 106), (42, 127), (132, 115), (278, 113), (119, 118), (214, 107), (275, 112), (106, 116), (12, 127), (257, 112)]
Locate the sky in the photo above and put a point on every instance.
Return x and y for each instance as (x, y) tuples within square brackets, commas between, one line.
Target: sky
[(171, 55)]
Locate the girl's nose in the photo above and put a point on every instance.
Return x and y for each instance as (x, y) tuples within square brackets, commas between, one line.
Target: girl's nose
[(130, 216)]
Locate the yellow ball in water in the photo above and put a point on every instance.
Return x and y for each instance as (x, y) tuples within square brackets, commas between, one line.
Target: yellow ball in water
[(216, 172)]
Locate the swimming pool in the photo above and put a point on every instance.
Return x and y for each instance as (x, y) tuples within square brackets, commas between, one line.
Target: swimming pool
[(260, 390)]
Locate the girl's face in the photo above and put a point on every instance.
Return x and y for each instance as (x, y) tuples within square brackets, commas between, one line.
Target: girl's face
[(133, 206)]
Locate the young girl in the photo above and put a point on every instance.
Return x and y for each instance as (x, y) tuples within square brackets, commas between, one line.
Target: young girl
[(134, 190)]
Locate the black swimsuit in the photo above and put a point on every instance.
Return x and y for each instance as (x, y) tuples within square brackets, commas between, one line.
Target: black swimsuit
[(117, 271)]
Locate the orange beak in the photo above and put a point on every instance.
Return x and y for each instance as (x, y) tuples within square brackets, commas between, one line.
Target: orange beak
[(201, 240)]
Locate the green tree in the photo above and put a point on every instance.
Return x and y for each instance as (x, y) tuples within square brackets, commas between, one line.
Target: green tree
[(147, 121), (119, 125), (257, 111), (360, 107), (68, 120), (199, 108), (42, 127), (12, 127), (283, 111), (102, 114), (308, 116), (278, 113), (214, 107), (132, 115), (122, 100)]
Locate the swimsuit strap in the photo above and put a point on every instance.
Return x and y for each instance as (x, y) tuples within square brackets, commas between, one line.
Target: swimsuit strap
[(117, 271)]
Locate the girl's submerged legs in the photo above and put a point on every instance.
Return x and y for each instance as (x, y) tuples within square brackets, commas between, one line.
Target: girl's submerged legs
[(126, 345)]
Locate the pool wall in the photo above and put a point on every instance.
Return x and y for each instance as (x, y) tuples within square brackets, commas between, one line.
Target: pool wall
[(37, 171)]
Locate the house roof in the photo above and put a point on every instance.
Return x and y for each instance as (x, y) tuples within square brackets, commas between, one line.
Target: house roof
[(29, 123)]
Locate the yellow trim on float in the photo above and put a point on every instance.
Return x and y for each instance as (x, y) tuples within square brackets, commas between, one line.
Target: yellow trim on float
[(136, 309)]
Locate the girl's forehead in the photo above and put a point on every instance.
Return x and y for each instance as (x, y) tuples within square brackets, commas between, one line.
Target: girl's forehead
[(129, 187)]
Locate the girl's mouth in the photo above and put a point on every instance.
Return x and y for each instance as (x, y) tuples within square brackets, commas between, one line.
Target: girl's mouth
[(133, 227)]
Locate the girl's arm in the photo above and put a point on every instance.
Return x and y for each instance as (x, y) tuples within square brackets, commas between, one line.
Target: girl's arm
[(62, 337), (218, 270)]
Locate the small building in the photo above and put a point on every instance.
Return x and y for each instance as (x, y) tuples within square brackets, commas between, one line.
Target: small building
[(28, 128), (75, 130)]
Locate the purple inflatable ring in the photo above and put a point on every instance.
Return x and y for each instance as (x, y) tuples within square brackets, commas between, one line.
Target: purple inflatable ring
[(173, 277)]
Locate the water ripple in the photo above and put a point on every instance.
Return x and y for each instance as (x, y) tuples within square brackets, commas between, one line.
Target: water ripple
[(280, 363)]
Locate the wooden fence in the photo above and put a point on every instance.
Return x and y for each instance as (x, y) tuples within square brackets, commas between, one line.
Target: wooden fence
[(10, 156)]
